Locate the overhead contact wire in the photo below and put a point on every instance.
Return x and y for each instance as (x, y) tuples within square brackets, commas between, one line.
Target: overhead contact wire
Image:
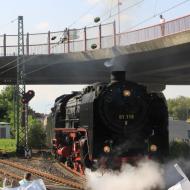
[(155, 15), (147, 19), (10, 22), (125, 9)]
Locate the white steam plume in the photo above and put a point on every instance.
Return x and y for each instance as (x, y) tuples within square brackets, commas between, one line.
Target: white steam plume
[(146, 175), (118, 63)]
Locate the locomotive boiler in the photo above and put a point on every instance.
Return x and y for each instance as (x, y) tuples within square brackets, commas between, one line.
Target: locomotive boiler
[(108, 124)]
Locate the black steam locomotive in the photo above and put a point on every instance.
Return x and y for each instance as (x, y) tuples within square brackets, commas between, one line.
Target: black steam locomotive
[(108, 124)]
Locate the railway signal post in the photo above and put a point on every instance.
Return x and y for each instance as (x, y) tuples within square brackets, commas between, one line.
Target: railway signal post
[(26, 97)]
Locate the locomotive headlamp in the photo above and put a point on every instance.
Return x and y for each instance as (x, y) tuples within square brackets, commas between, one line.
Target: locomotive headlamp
[(153, 148), (126, 93), (107, 149)]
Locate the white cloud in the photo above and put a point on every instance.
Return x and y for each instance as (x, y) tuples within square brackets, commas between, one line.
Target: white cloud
[(105, 2), (126, 18), (92, 2), (45, 95), (42, 25), (89, 18)]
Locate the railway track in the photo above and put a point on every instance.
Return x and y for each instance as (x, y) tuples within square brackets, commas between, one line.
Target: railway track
[(65, 170), (47, 176), (73, 173), (18, 178), (68, 172), (9, 174)]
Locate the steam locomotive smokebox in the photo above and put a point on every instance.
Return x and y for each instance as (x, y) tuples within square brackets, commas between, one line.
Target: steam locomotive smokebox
[(117, 76)]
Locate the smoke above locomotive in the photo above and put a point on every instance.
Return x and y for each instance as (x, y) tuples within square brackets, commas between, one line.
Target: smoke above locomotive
[(107, 124)]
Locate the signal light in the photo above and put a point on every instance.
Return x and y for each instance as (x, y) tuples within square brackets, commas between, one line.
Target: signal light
[(126, 93), (26, 97), (107, 149), (153, 148)]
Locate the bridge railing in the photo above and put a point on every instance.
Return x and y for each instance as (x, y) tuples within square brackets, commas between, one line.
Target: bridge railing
[(153, 32), (88, 38)]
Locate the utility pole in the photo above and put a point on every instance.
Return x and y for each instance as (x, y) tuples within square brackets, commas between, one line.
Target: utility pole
[(20, 114), (118, 14), (118, 9)]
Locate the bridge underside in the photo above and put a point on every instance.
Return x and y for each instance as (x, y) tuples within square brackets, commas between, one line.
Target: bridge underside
[(162, 61)]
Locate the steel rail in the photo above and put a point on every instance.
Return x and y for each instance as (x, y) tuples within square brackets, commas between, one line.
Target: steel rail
[(11, 175), (72, 171), (44, 174)]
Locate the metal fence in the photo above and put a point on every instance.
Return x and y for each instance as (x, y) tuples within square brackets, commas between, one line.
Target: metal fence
[(88, 38), (153, 32)]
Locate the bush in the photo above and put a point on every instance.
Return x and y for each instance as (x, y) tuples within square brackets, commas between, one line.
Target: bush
[(37, 136), (179, 149)]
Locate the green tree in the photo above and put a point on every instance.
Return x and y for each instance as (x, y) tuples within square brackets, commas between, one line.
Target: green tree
[(7, 114), (37, 135), (179, 150), (179, 108), (6, 107), (6, 104)]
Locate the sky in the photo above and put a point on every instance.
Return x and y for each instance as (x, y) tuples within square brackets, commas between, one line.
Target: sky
[(55, 15)]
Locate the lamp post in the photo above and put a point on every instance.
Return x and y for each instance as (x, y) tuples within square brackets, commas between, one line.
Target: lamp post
[(118, 9), (118, 13)]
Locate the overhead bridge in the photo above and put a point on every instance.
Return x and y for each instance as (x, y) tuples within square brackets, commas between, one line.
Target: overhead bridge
[(148, 55)]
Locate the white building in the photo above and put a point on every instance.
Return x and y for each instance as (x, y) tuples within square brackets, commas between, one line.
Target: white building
[(4, 130), (179, 131)]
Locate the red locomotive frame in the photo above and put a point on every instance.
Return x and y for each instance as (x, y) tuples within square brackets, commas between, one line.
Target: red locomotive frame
[(71, 153)]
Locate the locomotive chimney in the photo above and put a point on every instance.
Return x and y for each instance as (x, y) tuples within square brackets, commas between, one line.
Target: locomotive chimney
[(117, 76)]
